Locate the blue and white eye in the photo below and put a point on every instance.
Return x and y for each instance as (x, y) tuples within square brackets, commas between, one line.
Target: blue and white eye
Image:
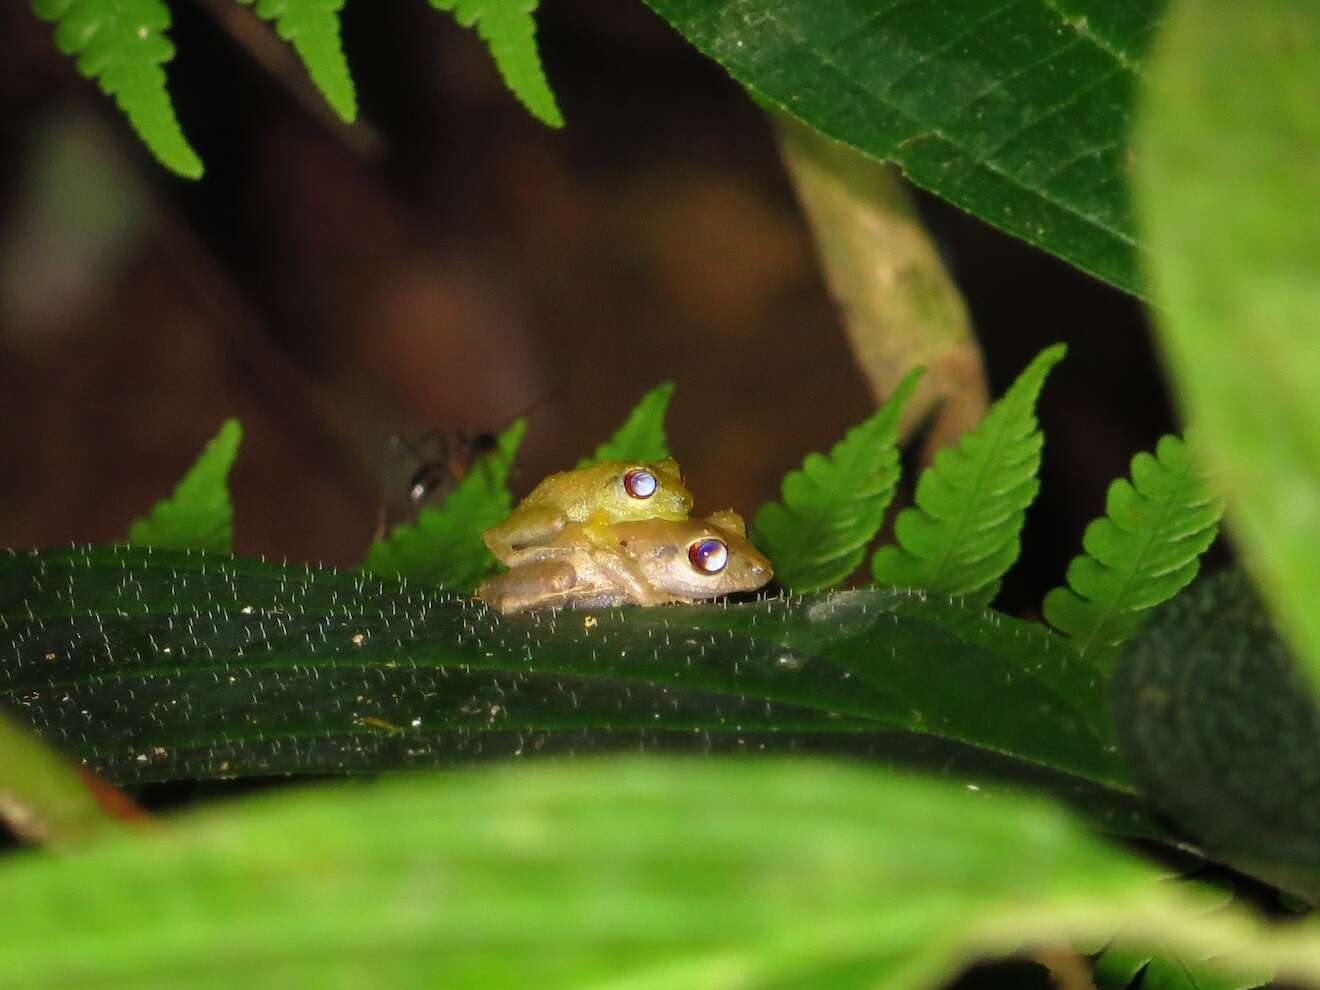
[(709, 556), (639, 483)]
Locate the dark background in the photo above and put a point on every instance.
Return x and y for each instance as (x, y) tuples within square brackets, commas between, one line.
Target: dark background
[(449, 263)]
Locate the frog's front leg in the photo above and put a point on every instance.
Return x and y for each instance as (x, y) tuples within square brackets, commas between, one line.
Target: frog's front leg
[(512, 539), (539, 583), (627, 575)]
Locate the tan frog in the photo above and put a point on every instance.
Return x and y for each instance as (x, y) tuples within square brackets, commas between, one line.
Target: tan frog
[(595, 497), (649, 562)]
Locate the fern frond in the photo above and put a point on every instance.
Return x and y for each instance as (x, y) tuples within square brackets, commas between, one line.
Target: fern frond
[(962, 535), (444, 546), (641, 437), (312, 27), (199, 515), (122, 45), (1143, 551), (509, 31), (833, 507)]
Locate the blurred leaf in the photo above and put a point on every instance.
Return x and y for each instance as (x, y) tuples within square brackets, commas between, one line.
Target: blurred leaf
[(312, 27), (1017, 113), (1226, 172), (444, 546), (962, 535), (1222, 731), (833, 507), (122, 44), (154, 665), (641, 437), (647, 873), (198, 516), (507, 28), (1144, 550)]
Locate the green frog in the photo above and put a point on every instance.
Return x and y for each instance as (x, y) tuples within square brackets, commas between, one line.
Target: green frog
[(594, 497), (643, 562)]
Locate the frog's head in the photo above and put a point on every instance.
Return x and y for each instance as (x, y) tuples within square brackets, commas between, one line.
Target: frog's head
[(637, 490), (696, 558)]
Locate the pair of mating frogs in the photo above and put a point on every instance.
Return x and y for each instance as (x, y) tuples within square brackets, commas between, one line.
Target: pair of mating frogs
[(616, 533)]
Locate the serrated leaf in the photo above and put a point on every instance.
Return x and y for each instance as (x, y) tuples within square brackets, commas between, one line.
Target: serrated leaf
[(962, 534), (833, 507), (642, 873), (509, 31), (313, 28), (444, 546), (122, 44), (198, 516), (1230, 120), (1018, 113), (640, 437), (1144, 551)]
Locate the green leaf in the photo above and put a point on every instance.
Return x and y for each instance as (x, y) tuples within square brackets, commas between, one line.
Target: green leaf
[(1231, 124), (962, 535), (1018, 113), (153, 665), (198, 516), (644, 873), (507, 28), (641, 437), (312, 27), (1219, 724), (833, 506), (1144, 551), (122, 44), (444, 546)]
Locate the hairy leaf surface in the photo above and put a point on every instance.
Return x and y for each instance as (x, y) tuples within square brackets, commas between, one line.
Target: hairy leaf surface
[(1144, 550), (199, 515), (312, 27), (509, 31), (833, 507), (640, 437), (122, 45), (962, 535), (650, 873), (1017, 112), (444, 546), (154, 665)]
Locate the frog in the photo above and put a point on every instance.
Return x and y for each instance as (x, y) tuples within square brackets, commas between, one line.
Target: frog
[(593, 497), (648, 562)]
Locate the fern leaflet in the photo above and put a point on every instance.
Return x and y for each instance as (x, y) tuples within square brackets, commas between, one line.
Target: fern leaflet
[(509, 31), (198, 516), (444, 546), (962, 535), (833, 507), (1143, 551), (641, 437), (122, 44), (312, 27)]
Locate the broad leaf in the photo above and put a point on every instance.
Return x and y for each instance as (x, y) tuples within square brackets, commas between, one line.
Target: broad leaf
[(834, 505), (444, 546), (312, 27), (1226, 172), (640, 437), (1018, 113), (122, 45), (962, 535), (640, 873), (1144, 550), (157, 666), (507, 28), (198, 516), (1223, 732)]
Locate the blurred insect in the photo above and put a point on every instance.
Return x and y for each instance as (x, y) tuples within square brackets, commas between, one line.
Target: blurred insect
[(443, 460)]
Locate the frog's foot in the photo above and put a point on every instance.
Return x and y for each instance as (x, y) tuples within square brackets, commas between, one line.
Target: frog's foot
[(536, 585), (598, 532)]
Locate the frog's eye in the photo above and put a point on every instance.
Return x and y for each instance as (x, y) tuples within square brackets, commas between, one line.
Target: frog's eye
[(709, 556), (639, 483)]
